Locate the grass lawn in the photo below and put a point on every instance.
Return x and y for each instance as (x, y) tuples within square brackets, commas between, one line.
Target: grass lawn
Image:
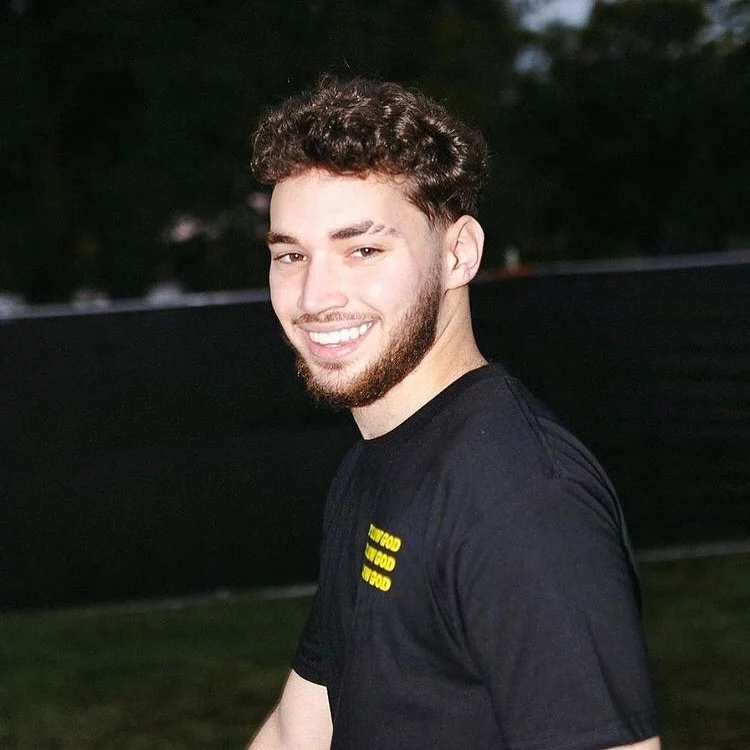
[(203, 674), (697, 615)]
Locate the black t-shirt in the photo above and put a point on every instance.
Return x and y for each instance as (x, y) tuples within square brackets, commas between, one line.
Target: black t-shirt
[(476, 586)]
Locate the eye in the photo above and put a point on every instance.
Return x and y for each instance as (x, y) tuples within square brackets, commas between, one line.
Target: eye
[(366, 252), (289, 257)]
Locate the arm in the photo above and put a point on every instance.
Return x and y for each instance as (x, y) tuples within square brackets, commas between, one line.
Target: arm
[(652, 744), (300, 721)]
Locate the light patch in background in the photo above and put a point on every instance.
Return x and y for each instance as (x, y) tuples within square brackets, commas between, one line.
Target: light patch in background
[(569, 12)]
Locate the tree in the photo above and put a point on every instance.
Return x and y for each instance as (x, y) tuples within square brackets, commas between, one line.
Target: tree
[(131, 113), (622, 135)]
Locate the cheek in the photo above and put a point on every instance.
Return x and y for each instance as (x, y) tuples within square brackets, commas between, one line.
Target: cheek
[(283, 298), (394, 289)]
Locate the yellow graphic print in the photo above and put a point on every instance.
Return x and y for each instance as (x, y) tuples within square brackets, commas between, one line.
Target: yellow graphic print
[(380, 558)]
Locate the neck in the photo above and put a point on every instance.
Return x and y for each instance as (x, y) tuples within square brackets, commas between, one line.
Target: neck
[(453, 354)]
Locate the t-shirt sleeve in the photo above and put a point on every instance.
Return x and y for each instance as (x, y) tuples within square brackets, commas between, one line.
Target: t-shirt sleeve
[(308, 658), (543, 592)]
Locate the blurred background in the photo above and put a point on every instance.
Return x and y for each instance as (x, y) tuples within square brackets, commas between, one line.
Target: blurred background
[(617, 128)]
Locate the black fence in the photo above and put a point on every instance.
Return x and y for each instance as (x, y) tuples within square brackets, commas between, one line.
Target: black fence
[(156, 452)]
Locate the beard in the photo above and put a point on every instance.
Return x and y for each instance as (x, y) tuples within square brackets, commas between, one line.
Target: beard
[(412, 338)]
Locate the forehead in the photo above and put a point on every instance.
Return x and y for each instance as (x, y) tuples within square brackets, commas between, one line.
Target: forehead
[(318, 201)]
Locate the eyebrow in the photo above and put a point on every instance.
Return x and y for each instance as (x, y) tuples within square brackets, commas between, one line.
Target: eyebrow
[(278, 238), (355, 230), (343, 233), (363, 227)]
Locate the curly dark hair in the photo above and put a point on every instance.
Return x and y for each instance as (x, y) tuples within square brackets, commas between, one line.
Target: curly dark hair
[(362, 127)]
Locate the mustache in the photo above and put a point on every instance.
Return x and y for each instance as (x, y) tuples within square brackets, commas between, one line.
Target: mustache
[(332, 317)]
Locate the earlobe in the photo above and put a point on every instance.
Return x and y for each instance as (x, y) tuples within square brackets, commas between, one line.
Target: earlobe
[(465, 242)]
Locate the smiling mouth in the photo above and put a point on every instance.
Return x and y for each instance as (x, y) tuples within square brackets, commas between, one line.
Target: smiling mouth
[(341, 336)]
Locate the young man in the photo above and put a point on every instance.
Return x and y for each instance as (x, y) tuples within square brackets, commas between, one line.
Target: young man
[(476, 589)]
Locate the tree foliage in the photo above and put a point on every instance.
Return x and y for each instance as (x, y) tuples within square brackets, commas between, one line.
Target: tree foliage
[(633, 137)]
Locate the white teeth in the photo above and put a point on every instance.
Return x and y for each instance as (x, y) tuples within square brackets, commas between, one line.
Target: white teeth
[(337, 337)]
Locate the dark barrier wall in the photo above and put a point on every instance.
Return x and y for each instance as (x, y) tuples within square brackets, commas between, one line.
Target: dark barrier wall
[(164, 452), (156, 453)]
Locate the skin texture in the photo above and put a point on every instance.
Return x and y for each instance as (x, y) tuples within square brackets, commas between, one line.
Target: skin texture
[(353, 254)]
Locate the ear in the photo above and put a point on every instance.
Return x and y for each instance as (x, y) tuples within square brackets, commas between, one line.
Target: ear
[(464, 244)]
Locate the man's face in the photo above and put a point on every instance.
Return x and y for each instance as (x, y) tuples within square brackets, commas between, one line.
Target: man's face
[(355, 281)]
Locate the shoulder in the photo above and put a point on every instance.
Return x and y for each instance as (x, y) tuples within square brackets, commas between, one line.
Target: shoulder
[(502, 426), (510, 457)]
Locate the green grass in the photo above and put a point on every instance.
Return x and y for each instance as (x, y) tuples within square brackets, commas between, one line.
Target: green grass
[(203, 675), (697, 615)]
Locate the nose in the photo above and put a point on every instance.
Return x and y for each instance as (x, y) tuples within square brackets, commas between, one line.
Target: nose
[(322, 287)]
